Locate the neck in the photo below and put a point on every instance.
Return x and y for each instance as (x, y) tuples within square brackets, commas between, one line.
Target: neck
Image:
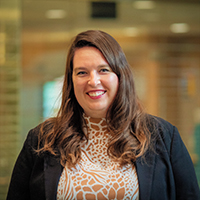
[(96, 114), (94, 117), (95, 123)]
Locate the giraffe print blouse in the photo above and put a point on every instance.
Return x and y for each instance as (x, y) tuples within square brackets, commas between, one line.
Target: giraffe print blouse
[(97, 176)]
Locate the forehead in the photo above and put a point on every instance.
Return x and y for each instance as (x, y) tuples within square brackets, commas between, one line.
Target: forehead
[(86, 50), (88, 55)]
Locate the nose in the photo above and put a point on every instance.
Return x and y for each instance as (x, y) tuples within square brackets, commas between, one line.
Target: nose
[(94, 79)]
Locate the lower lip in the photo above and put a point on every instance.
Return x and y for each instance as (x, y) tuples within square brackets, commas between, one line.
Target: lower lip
[(96, 97)]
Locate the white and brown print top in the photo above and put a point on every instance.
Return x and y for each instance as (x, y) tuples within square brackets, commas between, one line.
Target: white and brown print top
[(97, 176)]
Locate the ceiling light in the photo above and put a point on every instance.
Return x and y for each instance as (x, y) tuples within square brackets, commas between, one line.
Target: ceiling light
[(55, 14), (179, 28), (144, 4), (131, 31)]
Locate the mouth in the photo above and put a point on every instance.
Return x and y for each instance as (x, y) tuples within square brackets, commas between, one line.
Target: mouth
[(96, 93)]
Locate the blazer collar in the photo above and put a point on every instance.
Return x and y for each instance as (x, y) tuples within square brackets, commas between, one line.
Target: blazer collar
[(52, 173), (145, 171)]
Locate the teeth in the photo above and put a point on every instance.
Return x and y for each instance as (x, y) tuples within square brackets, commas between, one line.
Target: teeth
[(95, 94)]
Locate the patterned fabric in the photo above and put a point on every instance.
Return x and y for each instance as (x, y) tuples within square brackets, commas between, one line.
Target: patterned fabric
[(97, 176)]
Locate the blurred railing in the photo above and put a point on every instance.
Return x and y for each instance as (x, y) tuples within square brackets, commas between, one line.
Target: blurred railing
[(9, 89)]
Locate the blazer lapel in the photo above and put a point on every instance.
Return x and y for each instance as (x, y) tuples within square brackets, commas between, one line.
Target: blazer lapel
[(145, 170), (52, 173)]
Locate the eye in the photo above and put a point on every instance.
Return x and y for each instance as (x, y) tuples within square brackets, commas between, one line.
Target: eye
[(81, 73), (104, 70)]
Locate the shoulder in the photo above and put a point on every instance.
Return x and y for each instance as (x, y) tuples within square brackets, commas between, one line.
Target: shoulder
[(32, 137), (159, 125), (34, 134), (173, 158), (163, 132)]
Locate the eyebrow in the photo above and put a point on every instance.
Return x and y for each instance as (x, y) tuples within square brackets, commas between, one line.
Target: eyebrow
[(85, 68), (104, 65), (79, 68)]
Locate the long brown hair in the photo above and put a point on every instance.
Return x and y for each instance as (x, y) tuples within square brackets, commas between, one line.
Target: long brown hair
[(126, 120)]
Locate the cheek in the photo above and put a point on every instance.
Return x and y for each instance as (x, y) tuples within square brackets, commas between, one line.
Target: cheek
[(114, 83), (77, 93), (78, 88), (76, 83)]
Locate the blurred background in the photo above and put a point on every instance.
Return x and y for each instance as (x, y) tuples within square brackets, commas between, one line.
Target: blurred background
[(160, 38)]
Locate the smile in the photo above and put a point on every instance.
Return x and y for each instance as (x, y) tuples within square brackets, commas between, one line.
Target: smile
[(96, 94)]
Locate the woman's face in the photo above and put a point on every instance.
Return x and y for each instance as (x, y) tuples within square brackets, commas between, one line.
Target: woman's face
[(95, 84)]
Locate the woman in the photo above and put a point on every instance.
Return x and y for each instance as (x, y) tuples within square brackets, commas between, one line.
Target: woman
[(102, 145)]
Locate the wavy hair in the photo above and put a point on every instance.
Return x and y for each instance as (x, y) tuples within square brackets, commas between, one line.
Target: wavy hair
[(126, 120)]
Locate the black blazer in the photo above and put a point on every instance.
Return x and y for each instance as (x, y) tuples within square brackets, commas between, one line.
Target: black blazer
[(166, 174)]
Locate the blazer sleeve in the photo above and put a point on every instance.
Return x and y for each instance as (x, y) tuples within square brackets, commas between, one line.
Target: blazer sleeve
[(19, 188), (186, 184)]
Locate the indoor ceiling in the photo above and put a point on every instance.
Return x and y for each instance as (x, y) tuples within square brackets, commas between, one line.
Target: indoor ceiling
[(131, 20), (46, 24)]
